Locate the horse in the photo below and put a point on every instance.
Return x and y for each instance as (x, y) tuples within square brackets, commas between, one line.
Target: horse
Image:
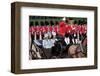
[(78, 50), (59, 48)]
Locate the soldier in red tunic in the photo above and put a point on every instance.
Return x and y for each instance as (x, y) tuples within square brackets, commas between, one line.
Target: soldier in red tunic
[(62, 28)]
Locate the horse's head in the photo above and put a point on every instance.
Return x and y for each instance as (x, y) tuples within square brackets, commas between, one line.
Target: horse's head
[(36, 51)]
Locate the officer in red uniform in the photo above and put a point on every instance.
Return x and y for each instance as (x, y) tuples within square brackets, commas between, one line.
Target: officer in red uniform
[(62, 28)]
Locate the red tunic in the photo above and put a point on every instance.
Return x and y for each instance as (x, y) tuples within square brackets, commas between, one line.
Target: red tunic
[(55, 28), (50, 28), (62, 28), (30, 29)]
